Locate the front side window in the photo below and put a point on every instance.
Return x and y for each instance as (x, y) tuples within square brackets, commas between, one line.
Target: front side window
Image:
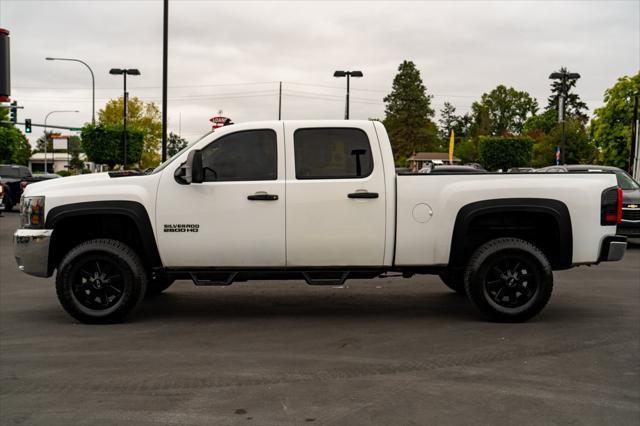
[(241, 156), (333, 153)]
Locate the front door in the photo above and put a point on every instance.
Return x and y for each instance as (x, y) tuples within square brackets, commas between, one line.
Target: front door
[(236, 217)]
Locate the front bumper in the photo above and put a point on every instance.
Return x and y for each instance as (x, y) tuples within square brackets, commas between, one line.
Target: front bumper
[(629, 228), (31, 249), (613, 248)]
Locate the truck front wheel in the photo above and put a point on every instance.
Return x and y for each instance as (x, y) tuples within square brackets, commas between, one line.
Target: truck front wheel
[(509, 280), (101, 281)]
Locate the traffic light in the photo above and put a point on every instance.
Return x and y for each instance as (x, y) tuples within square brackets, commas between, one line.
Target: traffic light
[(27, 125), (13, 112)]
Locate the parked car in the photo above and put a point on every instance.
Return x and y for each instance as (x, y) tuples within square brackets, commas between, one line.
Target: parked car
[(16, 178), (630, 222), (312, 200), (521, 170), (2, 191), (451, 169), (45, 176)]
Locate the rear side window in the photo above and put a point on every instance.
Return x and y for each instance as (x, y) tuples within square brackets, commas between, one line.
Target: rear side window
[(9, 172), (241, 156), (332, 153)]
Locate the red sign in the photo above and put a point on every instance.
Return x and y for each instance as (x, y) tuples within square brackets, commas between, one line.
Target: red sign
[(218, 121)]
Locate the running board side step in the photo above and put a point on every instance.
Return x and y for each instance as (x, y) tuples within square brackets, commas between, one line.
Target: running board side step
[(213, 278), (326, 277)]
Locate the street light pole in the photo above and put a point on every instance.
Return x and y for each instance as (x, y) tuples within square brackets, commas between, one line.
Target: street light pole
[(564, 76), (125, 107), (165, 48), (46, 140), (347, 74), (93, 84), (124, 119)]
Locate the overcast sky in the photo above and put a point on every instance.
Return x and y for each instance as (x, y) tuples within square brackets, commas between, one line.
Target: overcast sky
[(229, 56)]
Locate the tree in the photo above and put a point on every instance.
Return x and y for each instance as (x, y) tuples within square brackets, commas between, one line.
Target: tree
[(142, 117), (103, 144), (409, 113), (14, 146), (611, 125), (75, 148), (174, 144), (502, 111), (504, 152), (573, 105), (449, 120), (579, 148)]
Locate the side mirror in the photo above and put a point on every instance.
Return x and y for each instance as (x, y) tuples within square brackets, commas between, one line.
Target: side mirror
[(191, 170)]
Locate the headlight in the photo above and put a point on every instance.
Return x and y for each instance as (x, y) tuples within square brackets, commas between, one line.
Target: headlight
[(32, 212)]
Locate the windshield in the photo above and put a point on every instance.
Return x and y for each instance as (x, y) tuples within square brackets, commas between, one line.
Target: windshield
[(162, 166), (626, 182)]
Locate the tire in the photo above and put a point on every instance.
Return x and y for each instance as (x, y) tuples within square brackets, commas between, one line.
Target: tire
[(509, 280), (454, 280), (158, 285), (101, 281)]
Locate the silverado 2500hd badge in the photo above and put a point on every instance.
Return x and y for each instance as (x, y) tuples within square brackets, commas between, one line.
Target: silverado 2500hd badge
[(181, 227)]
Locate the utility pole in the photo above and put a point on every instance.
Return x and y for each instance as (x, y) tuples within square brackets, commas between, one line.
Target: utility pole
[(280, 102), (165, 48)]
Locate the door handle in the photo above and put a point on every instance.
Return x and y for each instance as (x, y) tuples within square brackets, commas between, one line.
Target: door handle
[(262, 196), (363, 194)]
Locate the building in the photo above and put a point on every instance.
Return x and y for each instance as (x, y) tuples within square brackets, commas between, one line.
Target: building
[(58, 161), (420, 159)]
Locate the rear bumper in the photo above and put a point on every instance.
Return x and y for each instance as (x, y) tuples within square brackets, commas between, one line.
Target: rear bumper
[(31, 249), (613, 248)]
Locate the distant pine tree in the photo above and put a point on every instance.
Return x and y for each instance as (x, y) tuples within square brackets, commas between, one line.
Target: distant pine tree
[(409, 113)]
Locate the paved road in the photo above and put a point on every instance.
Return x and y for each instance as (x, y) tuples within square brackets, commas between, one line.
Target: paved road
[(384, 352)]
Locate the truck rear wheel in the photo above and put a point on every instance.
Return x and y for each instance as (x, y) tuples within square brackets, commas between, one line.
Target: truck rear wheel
[(509, 280), (101, 281)]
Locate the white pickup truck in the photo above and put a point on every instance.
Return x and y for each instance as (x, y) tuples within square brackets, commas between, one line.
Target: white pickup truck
[(312, 200)]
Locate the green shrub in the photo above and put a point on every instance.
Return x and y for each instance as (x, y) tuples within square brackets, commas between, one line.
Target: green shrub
[(504, 152), (64, 173), (104, 145)]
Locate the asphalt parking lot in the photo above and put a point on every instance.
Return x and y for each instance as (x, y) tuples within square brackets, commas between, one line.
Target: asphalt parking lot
[(385, 352)]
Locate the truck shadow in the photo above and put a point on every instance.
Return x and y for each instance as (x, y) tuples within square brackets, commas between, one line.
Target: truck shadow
[(204, 305), (423, 305)]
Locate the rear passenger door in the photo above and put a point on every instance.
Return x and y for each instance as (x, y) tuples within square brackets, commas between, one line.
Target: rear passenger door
[(335, 196)]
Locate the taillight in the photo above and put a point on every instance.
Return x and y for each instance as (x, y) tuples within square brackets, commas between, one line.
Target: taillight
[(611, 206), (620, 194)]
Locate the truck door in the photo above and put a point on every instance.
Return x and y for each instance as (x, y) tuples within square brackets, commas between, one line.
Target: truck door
[(236, 217), (335, 196)]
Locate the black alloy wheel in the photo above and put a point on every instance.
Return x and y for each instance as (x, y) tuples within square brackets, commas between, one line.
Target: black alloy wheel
[(511, 281), (508, 280), (101, 281), (98, 283)]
